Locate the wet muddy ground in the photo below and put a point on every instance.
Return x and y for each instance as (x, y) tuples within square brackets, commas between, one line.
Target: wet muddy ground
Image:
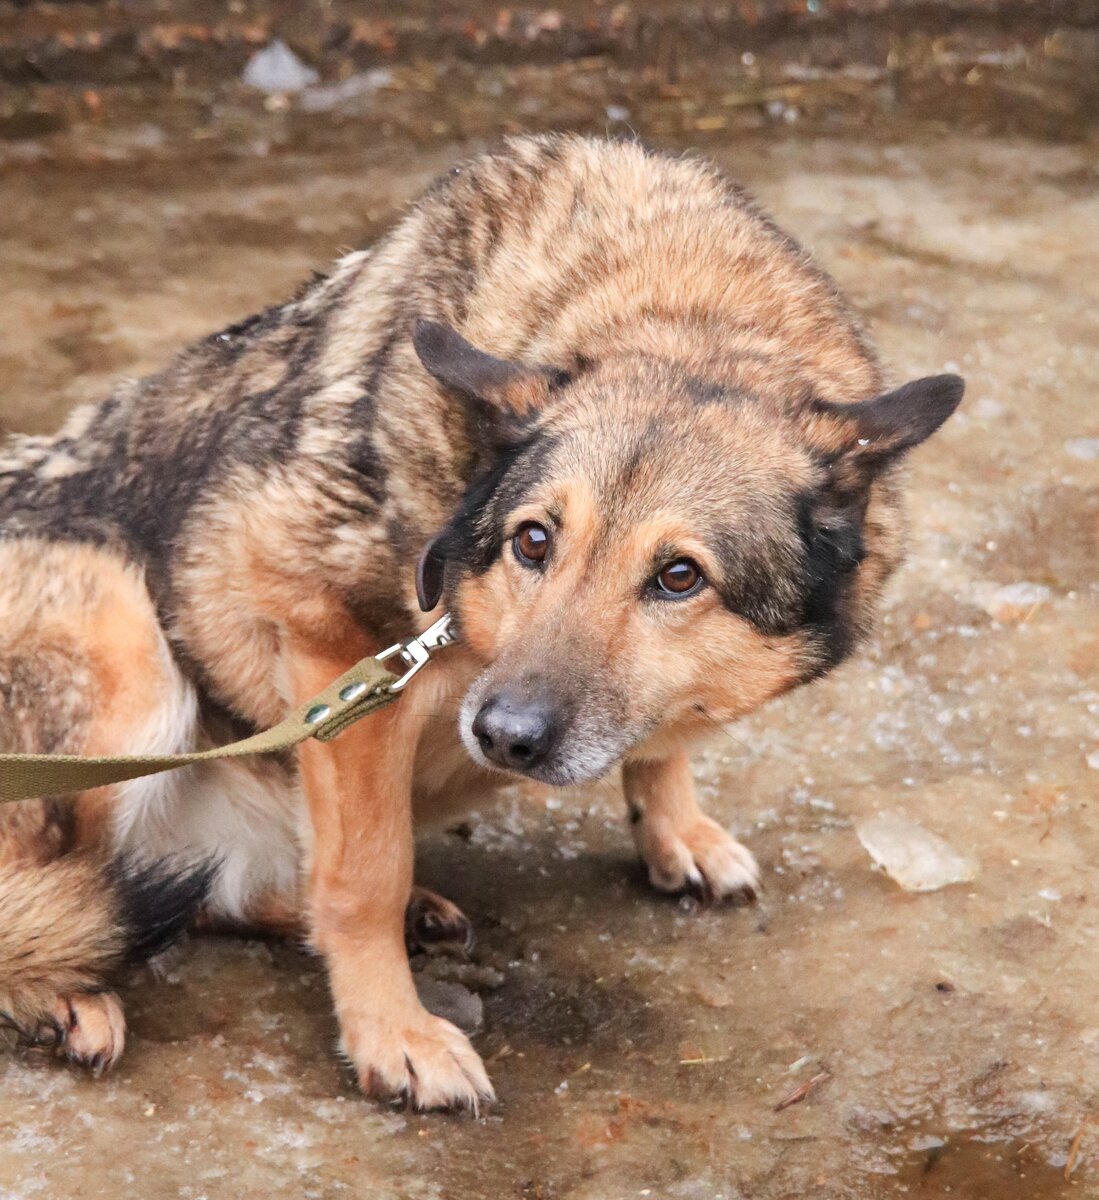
[(942, 1044)]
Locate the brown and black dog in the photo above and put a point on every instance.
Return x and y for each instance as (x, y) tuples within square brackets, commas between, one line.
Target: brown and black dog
[(585, 397)]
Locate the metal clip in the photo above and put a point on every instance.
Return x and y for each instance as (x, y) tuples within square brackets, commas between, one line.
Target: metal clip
[(415, 652)]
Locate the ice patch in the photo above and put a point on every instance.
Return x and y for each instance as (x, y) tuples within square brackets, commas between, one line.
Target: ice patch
[(1013, 602), (914, 857), (357, 88), (276, 68), (1086, 448)]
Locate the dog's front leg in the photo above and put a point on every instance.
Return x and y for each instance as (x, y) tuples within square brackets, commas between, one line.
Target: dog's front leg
[(683, 848), (359, 789)]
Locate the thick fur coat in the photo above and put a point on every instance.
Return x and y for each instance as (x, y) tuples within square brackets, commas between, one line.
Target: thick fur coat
[(586, 397)]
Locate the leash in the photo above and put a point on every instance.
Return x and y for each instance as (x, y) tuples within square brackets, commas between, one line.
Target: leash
[(368, 686)]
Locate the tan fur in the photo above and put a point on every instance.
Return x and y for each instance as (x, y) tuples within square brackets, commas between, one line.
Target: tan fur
[(360, 882), (79, 620), (47, 969), (213, 545), (681, 846)]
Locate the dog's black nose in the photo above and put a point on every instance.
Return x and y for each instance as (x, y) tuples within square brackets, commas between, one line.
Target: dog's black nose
[(517, 734)]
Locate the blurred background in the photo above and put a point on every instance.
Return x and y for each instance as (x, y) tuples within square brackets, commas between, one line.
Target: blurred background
[(169, 166), (180, 140)]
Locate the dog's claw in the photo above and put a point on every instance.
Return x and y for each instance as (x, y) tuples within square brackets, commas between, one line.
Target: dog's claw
[(90, 1030), (431, 1066), (698, 889)]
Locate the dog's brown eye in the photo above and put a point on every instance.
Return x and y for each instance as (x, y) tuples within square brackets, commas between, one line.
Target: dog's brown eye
[(679, 578), (531, 544)]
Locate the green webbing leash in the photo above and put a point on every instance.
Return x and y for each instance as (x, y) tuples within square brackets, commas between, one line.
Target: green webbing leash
[(360, 691)]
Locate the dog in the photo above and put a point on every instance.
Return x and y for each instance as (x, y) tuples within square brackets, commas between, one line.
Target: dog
[(584, 396)]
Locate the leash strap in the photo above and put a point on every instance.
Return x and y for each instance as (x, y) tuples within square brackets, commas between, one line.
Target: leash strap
[(365, 688)]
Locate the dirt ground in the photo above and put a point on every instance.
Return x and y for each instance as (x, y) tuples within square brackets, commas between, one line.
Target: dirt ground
[(641, 1046)]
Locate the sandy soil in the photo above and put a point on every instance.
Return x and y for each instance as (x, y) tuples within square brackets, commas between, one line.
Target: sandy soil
[(640, 1046)]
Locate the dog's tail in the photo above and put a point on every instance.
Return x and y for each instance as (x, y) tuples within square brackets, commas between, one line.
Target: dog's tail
[(72, 925)]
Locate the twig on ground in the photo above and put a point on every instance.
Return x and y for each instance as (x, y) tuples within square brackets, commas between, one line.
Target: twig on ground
[(802, 1090), (1074, 1148)]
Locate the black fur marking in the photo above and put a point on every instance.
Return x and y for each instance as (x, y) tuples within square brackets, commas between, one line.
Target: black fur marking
[(763, 580), (139, 483), (59, 813), (834, 549), (473, 536), (231, 342), (707, 391), (159, 899), (376, 366), (783, 585)]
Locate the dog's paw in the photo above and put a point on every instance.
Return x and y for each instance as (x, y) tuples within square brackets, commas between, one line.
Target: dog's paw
[(426, 1063), (434, 924), (701, 858), (88, 1028)]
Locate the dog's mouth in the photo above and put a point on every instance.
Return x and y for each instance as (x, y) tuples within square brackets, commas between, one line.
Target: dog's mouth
[(518, 732)]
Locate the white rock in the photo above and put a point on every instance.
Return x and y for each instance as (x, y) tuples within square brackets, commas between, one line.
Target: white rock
[(276, 68), (1086, 448), (916, 858)]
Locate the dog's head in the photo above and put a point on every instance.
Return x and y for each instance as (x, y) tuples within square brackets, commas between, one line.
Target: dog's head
[(647, 554)]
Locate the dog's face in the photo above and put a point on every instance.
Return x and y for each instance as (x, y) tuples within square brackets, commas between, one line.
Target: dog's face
[(648, 555)]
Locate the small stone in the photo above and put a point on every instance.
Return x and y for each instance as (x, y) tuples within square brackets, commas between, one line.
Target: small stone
[(276, 68), (916, 858), (452, 1002)]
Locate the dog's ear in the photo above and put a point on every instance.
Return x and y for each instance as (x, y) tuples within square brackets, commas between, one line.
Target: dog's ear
[(877, 432), (504, 394), (431, 573)]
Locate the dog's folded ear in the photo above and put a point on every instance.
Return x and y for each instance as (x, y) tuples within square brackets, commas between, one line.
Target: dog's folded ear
[(505, 395), (876, 432), (431, 573)]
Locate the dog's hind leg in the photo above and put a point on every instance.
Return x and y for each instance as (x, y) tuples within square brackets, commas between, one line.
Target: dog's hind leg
[(84, 669), (684, 850)]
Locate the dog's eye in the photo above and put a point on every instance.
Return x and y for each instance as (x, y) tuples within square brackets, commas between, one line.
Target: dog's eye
[(531, 544), (678, 579)]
